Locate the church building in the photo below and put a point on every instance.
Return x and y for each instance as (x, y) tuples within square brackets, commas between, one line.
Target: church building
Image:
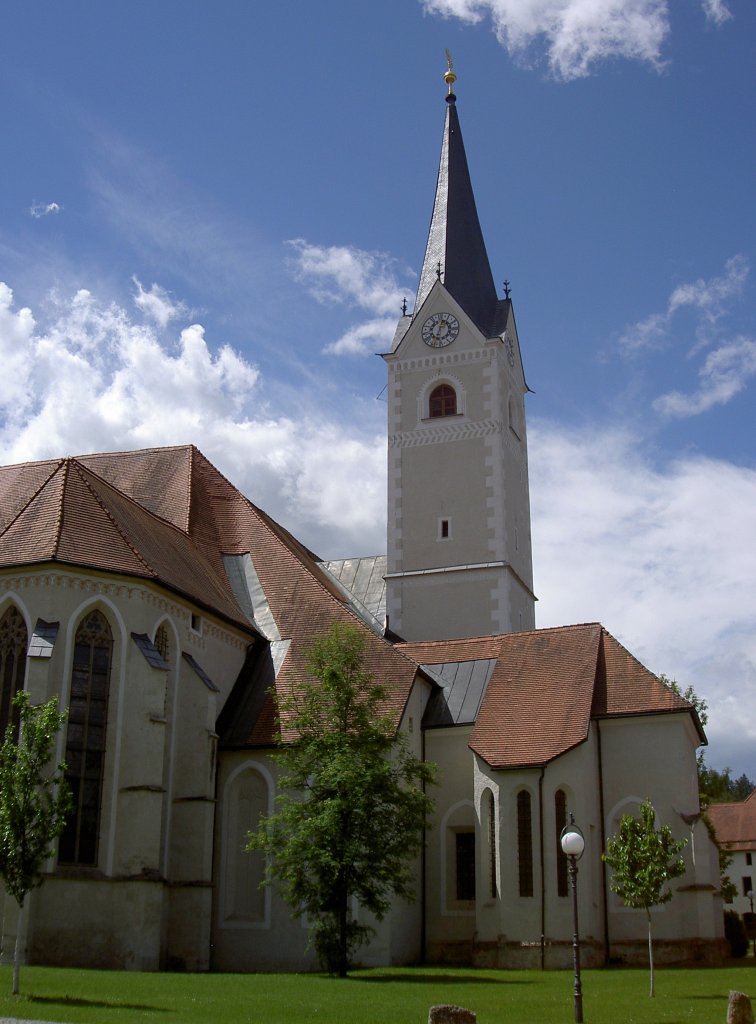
[(163, 609)]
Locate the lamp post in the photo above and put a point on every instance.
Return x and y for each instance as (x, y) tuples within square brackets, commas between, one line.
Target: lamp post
[(573, 844)]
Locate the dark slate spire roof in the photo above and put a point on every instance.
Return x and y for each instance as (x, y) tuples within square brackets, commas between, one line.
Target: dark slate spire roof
[(455, 239)]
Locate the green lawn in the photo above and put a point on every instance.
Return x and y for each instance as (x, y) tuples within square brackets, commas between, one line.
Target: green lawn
[(386, 996)]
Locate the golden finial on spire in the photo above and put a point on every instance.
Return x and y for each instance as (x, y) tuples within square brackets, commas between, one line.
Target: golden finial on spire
[(450, 78)]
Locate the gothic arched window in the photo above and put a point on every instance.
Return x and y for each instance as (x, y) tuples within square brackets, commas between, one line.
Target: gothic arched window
[(491, 809), (442, 401), (525, 843), (85, 741), (560, 820), (162, 643), (13, 643)]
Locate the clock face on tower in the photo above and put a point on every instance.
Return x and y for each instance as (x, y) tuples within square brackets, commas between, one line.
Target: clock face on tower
[(440, 329)]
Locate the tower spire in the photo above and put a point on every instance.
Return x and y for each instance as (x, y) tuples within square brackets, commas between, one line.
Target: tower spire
[(455, 240)]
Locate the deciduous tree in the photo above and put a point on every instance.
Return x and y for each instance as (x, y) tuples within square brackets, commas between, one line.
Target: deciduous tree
[(351, 809), (643, 859), (34, 802)]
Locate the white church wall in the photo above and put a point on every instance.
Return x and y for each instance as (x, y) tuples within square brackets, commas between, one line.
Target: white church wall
[(249, 934), (657, 762), (450, 920), (118, 913)]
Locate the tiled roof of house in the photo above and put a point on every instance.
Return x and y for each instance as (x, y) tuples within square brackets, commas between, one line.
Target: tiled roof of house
[(735, 823), (168, 515), (546, 686)]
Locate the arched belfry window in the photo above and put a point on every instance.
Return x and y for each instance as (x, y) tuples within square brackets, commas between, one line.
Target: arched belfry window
[(85, 740), (442, 401), (13, 643)]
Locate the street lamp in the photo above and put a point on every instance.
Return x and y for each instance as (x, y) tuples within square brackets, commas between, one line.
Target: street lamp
[(573, 844)]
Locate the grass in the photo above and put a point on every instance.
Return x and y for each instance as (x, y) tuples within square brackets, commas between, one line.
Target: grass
[(382, 996)]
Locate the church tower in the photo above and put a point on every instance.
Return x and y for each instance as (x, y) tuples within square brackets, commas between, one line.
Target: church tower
[(459, 548)]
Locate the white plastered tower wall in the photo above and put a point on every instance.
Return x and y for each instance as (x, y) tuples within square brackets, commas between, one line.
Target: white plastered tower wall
[(459, 545)]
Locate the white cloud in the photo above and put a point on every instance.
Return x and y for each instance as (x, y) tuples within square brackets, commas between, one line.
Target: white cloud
[(38, 210), (709, 298), (577, 34), (730, 363), (364, 339), (663, 556), (724, 374), (157, 304), (91, 379), (716, 11), (346, 275)]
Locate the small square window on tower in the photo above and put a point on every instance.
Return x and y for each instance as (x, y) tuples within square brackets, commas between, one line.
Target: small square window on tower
[(444, 528)]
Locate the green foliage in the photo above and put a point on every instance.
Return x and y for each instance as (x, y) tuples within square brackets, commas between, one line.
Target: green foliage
[(643, 859), (689, 694), (720, 787), (34, 801), (351, 808)]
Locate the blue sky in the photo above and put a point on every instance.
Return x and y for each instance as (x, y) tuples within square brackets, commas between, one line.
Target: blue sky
[(210, 214)]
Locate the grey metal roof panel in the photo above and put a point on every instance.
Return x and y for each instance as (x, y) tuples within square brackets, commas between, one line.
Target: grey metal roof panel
[(363, 582), (249, 593), (152, 655), (43, 639), (200, 672), (464, 685)]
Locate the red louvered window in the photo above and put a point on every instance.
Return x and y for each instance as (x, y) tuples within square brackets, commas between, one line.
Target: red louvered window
[(442, 401)]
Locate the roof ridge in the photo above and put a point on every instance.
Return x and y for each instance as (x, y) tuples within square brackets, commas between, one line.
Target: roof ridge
[(82, 472), (56, 467)]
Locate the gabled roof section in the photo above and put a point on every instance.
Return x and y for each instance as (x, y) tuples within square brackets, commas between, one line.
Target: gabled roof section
[(456, 252), (170, 516), (76, 517), (538, 690), (735, 823)]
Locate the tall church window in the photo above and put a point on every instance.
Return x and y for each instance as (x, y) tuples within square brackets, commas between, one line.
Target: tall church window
[(525, 843), (85, 741), (13, 643), (442, 401), (560, 820), (492, 887), (465, 849)]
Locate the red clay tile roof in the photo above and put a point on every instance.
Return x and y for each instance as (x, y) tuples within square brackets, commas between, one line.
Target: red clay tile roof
[(735, 823), (546, 687), (167, 514)]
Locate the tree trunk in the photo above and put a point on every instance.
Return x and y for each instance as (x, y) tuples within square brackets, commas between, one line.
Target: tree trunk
[(650, 953), (17, 949)]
